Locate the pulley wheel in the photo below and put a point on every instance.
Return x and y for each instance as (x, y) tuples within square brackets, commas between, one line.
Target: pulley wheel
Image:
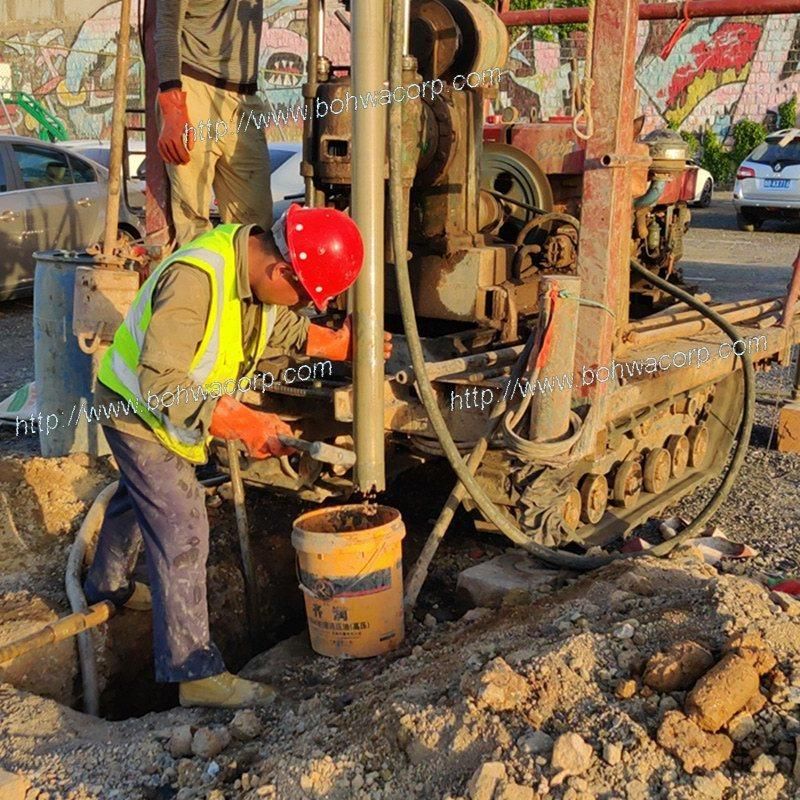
[(594, 498), (678, 448), (657, 469), (627, 484), (512, 173), (571, 510), (698, 445)]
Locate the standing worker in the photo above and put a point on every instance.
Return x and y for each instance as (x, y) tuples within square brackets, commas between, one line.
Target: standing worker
[(202, 321), (207, 59)]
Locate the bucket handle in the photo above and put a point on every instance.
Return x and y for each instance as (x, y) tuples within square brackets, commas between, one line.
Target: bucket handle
[(320, 595)]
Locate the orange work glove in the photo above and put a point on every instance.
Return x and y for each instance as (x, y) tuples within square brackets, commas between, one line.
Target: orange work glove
[(175, 125), (325, 342), (257, 430)]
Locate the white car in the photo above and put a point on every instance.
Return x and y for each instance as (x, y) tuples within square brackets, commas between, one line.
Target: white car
[(703, 185), (768, 181)]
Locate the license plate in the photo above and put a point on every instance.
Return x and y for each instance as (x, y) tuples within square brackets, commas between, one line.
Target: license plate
[(776, 183)]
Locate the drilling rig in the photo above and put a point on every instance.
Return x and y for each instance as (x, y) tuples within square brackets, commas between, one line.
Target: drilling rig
[(534, 265)]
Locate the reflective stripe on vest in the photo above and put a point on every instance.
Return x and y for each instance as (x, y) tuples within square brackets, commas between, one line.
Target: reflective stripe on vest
[(220, 354)]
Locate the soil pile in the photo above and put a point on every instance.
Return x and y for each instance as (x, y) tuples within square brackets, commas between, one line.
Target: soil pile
[(666, 679)]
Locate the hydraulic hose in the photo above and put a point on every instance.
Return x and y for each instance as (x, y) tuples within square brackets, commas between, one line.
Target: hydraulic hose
[(77, 600), (486, 506)]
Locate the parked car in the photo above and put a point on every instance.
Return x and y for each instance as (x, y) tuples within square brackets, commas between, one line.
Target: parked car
[(768, 181), (286, 184), (703, 185), (50, 198), (99, 151)]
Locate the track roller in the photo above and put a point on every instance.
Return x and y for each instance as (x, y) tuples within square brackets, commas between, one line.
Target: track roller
[(594, 498), (698, 445), (627, 483), (571, 510), (657, 469), (678, 448)]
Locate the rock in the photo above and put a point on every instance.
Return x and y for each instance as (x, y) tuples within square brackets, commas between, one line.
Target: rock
[(488, 583), (475, 614), (612, 753), (786, 602), (180, 742), (624, 630), (796, 768), (13, 786), (764, 765), (535, 743), (677, 667), (485, 779), (741, 726), (245, 725), (497, 686), (513, 791), (571, 756), (209, 742), (625, 689), (753, 649), (722, 692), (712, 786), (636, 583), (637, 790), (429, 621), (694, 747), (631, 661)]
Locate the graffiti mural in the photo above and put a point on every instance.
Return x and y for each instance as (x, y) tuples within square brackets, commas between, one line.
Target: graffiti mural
[(719, 71), (73, 75)]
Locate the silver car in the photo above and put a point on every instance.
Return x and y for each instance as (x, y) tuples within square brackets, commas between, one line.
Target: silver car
[(50, 198), (768, 181)]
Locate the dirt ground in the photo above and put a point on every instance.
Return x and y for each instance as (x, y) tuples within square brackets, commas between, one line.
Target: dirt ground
[(624, 684)]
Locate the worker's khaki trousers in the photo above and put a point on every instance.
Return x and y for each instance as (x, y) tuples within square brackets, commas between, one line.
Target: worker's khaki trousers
[(230, 153)]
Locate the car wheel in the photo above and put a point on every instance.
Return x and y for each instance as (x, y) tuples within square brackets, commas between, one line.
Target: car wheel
[(705, 195), (747, 223)]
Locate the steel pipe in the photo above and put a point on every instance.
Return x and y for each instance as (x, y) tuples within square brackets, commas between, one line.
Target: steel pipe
[(651, 11), (455, 366), (369, 74), (117, 130), (664, 320)]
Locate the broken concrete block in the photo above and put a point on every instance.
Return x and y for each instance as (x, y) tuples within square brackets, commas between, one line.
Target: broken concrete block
[(677, 667), (485, 779), (694, 747), (789, 428), (13, 786), (722, 692), (508, 576), (497, 686), (571, 756)]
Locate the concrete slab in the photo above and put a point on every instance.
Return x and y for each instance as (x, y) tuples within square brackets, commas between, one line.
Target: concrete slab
[(789, 428), (505, 579)]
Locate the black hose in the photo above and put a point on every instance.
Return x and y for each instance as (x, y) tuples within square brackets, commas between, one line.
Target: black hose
[(487, 507)]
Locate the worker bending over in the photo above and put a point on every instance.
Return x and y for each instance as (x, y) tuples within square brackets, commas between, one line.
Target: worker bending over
[(202, 319), (207, 59)]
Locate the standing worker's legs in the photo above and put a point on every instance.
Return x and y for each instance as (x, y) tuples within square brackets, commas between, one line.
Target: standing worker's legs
[(190, 184), (169, 506), (242, 178)]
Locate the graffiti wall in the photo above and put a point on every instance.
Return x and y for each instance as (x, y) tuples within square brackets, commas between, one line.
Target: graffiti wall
[(718, 71), (70, 69)]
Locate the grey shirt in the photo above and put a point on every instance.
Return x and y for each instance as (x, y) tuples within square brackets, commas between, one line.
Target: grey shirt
[(181, 302), (208, 39)]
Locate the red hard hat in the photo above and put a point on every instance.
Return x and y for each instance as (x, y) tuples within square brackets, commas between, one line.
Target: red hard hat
[(324, 247)]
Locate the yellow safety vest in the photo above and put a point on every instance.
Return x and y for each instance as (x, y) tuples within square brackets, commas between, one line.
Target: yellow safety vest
[(222, 351)]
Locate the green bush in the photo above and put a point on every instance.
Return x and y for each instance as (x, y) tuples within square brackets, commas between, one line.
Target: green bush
[(693, 142), (787, 113), (715, 159), (746, 136)]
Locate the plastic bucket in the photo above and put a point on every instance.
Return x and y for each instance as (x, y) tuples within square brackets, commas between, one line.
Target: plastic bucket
[(63, 372), (351, 574)]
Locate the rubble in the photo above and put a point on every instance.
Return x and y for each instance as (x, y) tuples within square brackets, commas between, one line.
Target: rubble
[(497, 686), (687, 741), (12, 786), (571, 756)]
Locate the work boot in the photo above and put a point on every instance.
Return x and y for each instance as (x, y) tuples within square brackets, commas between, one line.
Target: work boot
[(141, 599), (225, 691)]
